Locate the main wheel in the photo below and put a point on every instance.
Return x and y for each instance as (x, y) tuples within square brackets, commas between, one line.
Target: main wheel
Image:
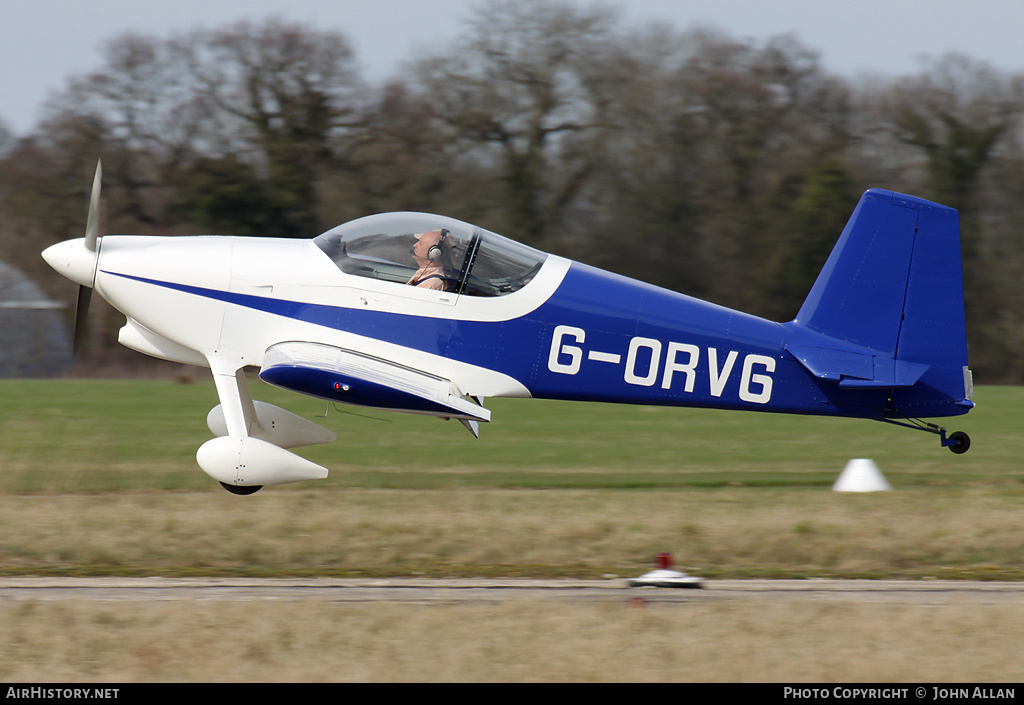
[(963, 442), (241, 489)]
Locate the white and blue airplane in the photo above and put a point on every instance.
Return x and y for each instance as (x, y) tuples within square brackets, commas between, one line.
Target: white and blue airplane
[(425, 314)]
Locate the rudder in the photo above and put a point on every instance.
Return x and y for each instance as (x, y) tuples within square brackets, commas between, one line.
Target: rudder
[(933, 330)]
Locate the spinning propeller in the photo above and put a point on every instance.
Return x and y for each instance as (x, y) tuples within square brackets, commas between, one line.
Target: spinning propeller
[(77, 259), (92, 226)]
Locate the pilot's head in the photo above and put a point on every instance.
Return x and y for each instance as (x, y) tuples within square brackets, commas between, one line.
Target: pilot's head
[(432, 246)]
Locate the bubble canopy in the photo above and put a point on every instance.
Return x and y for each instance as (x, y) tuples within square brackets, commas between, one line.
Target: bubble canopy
[(471, 260)]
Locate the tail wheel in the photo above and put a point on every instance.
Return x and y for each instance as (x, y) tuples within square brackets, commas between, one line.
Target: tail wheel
[(961, 442)]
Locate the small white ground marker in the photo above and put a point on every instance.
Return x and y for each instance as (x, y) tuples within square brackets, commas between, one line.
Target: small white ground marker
[(861, 475), (664, 576)]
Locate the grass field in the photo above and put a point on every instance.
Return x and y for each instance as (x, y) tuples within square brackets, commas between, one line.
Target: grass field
[(100, 478)]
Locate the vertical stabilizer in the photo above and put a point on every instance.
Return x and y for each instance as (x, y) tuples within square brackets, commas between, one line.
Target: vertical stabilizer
[(859, 295), (894, 285)]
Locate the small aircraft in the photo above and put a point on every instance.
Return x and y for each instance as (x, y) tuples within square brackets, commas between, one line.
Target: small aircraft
[(425, 314)]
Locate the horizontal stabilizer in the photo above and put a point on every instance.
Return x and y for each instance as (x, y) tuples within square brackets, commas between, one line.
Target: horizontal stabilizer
[(856, 370), (351, 377)]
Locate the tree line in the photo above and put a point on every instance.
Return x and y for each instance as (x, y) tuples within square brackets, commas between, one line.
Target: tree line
[(719, 167)]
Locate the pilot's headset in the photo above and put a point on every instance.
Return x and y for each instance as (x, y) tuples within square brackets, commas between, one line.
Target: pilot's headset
[(436, 252)]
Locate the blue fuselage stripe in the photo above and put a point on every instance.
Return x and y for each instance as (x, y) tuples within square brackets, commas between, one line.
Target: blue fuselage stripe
[(615, 312)]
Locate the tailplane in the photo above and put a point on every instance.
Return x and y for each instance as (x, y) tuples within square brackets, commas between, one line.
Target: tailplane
[(888, 308)]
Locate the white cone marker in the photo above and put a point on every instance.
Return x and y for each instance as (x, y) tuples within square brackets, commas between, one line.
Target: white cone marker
[(664, 576)]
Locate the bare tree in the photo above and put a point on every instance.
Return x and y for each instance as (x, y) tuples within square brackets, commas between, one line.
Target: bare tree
[(280, 94), (714, 140), (521, 91), (258, 102), (955, 112), (6, 138)]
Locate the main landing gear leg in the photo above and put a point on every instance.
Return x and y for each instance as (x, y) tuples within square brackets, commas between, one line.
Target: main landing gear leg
[(239, 457), (958, 441)]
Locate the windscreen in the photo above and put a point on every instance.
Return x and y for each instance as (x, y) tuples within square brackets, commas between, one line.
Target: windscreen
[(416, 249)]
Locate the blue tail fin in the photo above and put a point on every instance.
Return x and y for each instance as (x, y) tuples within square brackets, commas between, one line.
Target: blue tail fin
[(890, 303)]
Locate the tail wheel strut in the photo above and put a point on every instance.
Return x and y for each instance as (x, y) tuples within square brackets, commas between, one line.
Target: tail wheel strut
[(958, 441)]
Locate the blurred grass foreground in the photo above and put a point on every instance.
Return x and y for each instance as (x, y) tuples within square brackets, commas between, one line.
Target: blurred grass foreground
[(100, 478)]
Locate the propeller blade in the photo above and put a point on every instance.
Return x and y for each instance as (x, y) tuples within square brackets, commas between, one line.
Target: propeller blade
[(81, 316), (92, 225)]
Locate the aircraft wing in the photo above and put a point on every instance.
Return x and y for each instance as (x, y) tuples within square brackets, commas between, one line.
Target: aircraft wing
[(353, 377)]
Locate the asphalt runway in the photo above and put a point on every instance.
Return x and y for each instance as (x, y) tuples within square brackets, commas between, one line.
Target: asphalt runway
[(411, 590)]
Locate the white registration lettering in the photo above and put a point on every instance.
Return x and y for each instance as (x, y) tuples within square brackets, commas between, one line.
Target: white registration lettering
[(644, 363), (558, 349), (748, 378), (652, 369), (671, 366), (718, 379)]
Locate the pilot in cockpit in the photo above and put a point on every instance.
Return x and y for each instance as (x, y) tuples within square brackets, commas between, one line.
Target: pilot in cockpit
[(433, 254)]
